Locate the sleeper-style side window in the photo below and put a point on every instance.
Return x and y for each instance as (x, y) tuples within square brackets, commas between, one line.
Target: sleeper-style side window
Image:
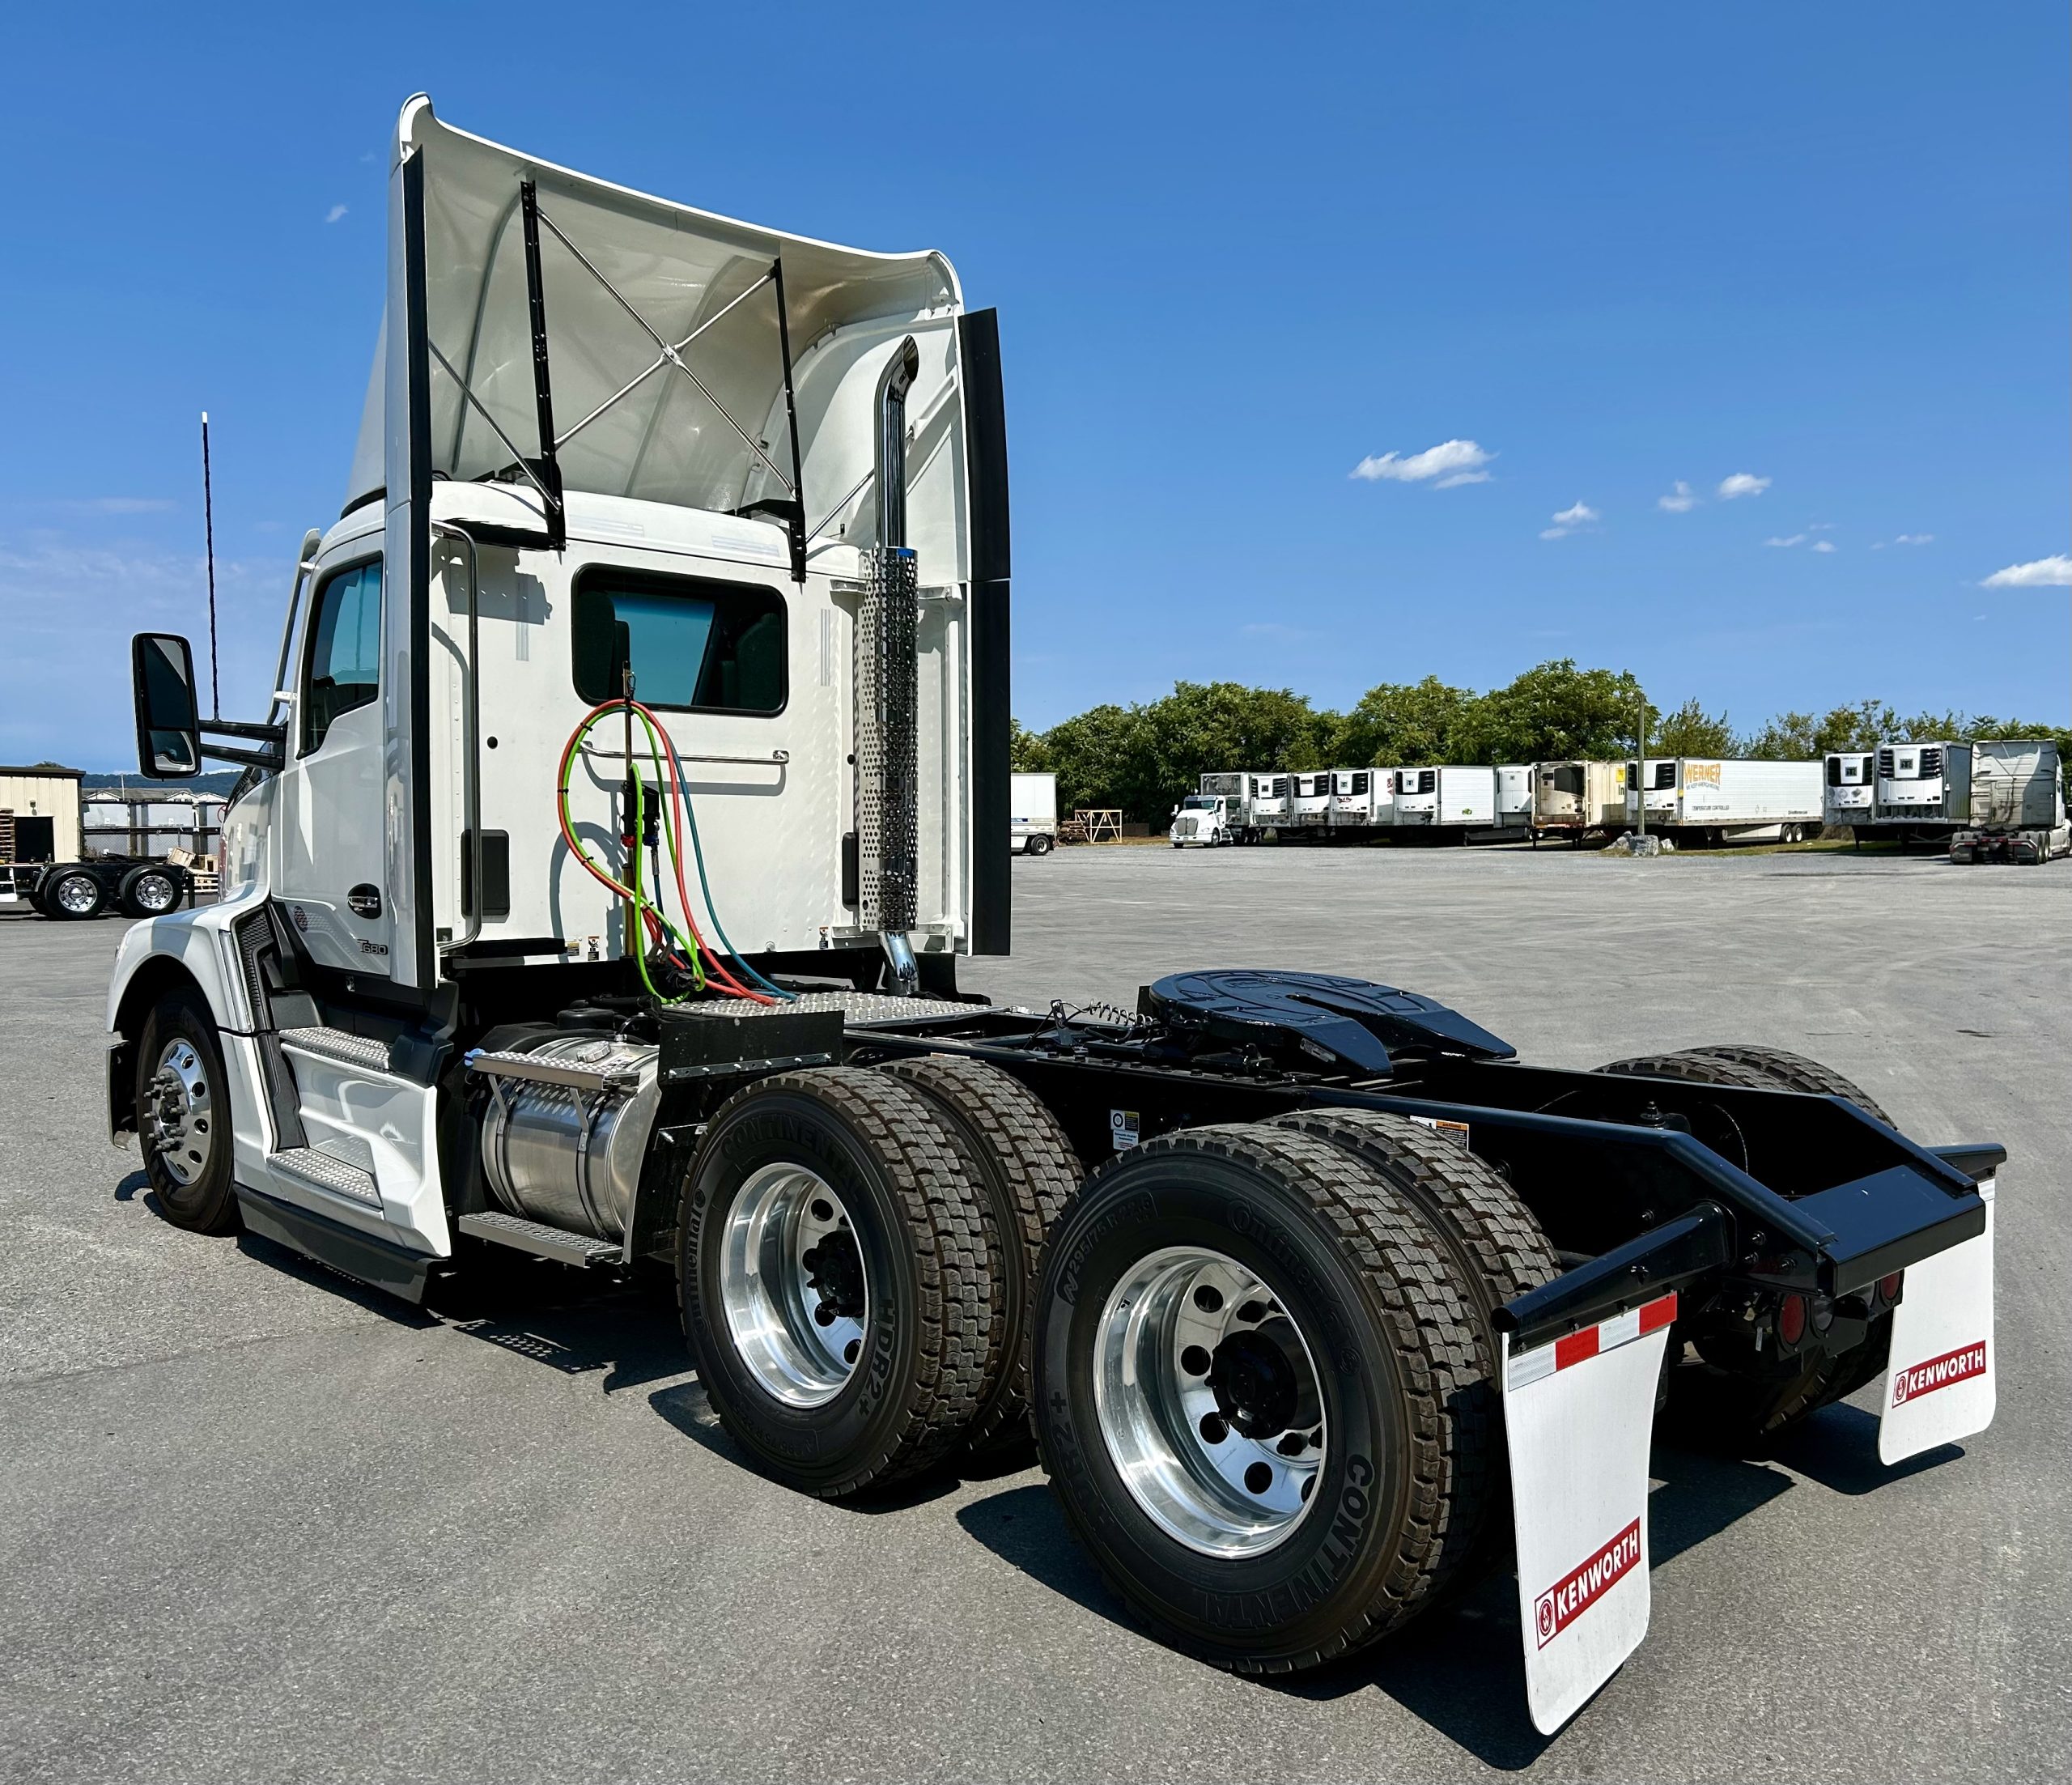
[(344, 663), (697, 644)]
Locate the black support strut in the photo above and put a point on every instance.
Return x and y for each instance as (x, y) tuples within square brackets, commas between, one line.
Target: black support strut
[(548, 467)]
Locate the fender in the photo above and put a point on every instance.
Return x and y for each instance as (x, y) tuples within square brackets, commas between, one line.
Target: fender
[(198, 943)]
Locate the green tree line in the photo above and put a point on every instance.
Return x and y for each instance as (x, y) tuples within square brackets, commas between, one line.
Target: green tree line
[(1142, 758)]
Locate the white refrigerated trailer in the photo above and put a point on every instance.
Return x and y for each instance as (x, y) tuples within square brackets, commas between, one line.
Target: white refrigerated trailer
[(2017, 804), (1360, 802), (1849, 789), (1578, 799), (1032, 802), (1310, 803), (1923, 789), (1712, 799), (1449, 800)]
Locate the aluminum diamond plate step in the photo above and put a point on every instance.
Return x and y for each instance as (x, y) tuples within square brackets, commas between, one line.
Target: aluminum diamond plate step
[(540, 1240), (341, 1045), (324, 1172)]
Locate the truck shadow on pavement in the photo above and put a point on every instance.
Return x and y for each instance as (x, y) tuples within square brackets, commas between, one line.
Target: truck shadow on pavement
[(1459, 1668)]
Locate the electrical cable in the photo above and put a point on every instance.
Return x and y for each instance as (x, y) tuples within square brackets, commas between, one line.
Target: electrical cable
[(647, 914)]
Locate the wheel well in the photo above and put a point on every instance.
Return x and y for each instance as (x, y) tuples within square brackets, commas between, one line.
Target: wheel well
[(158, 975)]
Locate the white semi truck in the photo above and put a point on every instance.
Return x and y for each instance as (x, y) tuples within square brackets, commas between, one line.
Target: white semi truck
[(2017, 804), (596, 892), (1715, 800), (1233, 806)]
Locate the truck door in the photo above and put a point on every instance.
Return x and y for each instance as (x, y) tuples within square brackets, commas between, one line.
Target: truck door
[(328, 870)]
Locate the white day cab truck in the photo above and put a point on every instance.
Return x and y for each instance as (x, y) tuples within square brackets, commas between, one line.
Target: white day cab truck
[(1701, 799), (2016, 808), (1228, 807), (638, 780), (1032, 813)]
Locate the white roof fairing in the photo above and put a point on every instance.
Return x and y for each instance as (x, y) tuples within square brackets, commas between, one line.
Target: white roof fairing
[(676, 267)]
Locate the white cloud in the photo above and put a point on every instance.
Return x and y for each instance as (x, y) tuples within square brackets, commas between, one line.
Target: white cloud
[(1796, 539), (1914, 539), (334, 214), (1823, 545), (1451, 461), (1680, 500), (1568, 520), (1742, 483), (2039, 573)]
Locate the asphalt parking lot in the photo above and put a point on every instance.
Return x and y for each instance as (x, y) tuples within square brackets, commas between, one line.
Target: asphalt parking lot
[(261, 1524)]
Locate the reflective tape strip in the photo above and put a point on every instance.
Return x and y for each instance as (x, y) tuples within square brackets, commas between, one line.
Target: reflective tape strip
[(1579, 1347)]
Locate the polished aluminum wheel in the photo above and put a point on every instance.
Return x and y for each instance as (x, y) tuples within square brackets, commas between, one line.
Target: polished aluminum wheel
[(792, 1283), (1208, 1401), (154, 894), (77, 894), (180, 1115)]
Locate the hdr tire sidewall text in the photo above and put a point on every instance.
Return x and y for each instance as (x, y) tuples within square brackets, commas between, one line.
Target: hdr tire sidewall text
[(1292, 1599), (827, 1445)]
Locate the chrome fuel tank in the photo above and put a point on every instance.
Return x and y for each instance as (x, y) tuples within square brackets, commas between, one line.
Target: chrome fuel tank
[(570, 1154)]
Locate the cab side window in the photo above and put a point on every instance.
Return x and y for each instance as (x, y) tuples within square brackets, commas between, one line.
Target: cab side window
[(344, 650)]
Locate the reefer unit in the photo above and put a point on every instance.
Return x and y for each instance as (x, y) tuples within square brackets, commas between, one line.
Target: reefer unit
[(1359, 800), (1514, 795), (1924, 786), (1714, 798), (1850, 795), (1311, 800), (1572, 799)]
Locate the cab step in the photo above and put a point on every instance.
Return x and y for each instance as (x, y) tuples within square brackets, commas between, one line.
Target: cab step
[(326, 1171), (540, 1240), (340, 1047)]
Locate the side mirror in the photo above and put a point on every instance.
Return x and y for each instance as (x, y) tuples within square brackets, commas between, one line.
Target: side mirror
[(168, 728)]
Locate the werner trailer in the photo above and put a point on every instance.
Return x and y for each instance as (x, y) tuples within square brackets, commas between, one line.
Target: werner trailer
[(598, 893), (2017, 804), (1712, 799)]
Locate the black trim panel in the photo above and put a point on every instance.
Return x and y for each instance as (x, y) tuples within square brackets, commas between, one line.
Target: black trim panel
[(381, 1263), (417, 578), (992, 699)]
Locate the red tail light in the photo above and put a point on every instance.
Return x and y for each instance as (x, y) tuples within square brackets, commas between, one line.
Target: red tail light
[(1889, 1287), (1791, 1319)]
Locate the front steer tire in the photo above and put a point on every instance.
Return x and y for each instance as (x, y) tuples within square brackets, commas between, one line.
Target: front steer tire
[(1399, 1486), (184, 1118), (913, 1284)]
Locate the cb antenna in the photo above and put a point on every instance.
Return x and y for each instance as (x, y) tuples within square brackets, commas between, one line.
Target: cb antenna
[(209, 533)]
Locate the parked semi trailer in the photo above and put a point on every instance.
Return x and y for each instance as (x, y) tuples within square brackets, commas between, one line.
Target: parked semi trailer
[(1706, 799), (666, 980), (1578, 799), (1309, 799), (1033, 813), (2017, 804), (1361, 803), (1849, 789), (1924, 789)]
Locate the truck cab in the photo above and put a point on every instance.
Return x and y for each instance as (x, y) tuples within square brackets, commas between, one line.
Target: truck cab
[(1204, 821)]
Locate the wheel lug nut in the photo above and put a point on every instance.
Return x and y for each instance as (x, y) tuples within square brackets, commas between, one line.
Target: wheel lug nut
[(1196, 1361), (1213, 1430)]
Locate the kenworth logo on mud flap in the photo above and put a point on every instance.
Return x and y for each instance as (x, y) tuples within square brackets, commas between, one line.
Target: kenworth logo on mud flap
[(1925, 1378), (1569, 1598)]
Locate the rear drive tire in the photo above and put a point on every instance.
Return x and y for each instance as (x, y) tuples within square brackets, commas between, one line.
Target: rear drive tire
[(1248, 1361), (74, 894), (1794, 1071), (1727, 1403), (832, 1265), (1038, 845), (1026, 1174), (148, 892), (183, 1116)]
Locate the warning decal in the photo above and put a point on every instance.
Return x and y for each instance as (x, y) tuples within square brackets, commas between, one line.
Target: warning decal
[(1569, 1598)]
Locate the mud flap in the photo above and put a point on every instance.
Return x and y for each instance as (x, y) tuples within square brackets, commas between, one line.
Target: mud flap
[(1940, 1387), (1579, 1414)]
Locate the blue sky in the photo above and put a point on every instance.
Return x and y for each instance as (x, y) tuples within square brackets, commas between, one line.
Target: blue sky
[(1619, 251)]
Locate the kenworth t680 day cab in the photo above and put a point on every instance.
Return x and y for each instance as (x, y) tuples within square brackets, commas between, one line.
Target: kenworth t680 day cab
[(636, 777)]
